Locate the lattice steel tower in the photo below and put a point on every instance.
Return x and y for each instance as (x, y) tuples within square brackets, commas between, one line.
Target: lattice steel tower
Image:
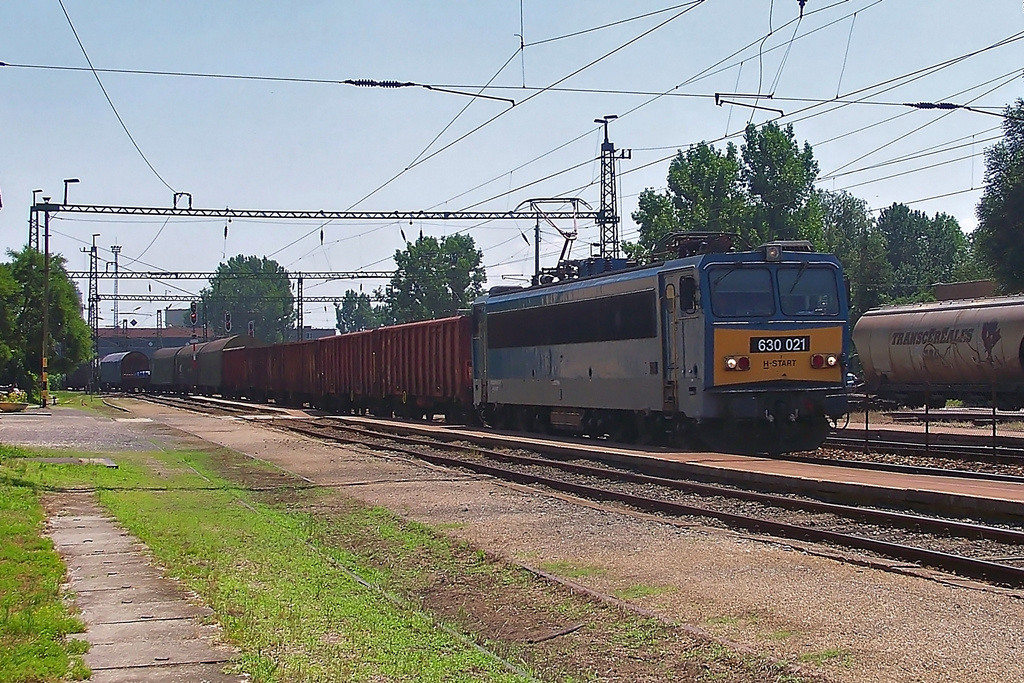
[(94, 309), (115, 249), (608, 212)]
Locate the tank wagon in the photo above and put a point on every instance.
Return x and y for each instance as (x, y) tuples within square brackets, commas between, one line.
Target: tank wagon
[(125, 371), (745, 350), (971, 349)]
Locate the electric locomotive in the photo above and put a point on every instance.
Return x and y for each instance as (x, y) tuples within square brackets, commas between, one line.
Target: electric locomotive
[(744, 350)]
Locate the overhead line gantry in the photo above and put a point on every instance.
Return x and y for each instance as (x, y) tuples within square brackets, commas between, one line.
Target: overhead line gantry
[(606, 218), (580, 211)]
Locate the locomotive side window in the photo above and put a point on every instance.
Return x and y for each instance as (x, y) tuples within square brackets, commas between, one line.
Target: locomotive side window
[(623, 316), (688, 294), (808, 291), (739, 292)]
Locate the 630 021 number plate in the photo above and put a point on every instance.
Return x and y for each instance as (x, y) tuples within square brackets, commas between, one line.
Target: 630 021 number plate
[(779, 344)]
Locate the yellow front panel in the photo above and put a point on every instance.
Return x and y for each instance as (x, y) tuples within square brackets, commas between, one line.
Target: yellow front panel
[(770, 366)]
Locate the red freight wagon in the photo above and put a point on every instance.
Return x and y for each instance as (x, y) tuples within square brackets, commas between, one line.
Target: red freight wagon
[(210, 358), (235, 376), (350, 373), (286, 373), (295, 376), (426, 367), (257, 371)]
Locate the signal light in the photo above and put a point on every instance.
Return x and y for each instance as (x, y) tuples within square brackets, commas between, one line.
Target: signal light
[(193, 312)]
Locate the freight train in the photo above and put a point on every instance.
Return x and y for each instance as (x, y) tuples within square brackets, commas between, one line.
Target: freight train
[(745, 350), (926, 354)]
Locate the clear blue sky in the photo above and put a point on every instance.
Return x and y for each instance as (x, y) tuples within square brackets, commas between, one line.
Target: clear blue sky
[(288, 145)]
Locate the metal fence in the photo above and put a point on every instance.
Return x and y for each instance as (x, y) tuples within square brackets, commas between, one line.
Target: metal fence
[(874, 427)]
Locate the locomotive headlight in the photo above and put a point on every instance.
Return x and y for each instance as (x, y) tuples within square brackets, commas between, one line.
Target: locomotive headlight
[(737, 363), (831, 360)]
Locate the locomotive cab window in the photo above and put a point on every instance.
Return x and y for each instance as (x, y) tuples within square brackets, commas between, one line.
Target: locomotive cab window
[(688, 294), (807, 290), (739, 292)]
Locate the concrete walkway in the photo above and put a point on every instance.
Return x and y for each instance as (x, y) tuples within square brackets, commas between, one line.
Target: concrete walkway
[(140, 624)]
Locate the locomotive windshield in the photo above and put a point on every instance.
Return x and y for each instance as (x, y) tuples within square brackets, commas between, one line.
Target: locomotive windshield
[(808, 291), (743, 292)]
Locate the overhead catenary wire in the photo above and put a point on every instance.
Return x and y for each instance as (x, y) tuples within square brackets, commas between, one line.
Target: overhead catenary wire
[(387, 83), (1006, 81), (913, 170), (527, 99), (928, 151), (512, 190), (110, 101), (656, 96)]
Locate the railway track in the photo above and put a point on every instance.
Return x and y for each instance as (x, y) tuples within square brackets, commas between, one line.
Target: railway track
[(979, 551), (912, 453), (956, 546), (952, 446)]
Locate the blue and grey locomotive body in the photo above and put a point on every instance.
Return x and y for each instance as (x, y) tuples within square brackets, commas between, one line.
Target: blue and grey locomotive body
[(745, 350)]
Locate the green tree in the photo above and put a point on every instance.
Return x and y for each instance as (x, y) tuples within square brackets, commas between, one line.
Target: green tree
[(922, 251), (705, 188), (265, 299), (973, 266), (9, 342), (21, 306), (704, 194), (779, 176), (1001, 209), (356, 312), (435, 278), (849, 232), (657, 218)]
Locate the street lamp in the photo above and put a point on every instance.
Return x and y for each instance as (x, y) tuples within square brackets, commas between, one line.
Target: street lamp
[(68, 181), (604, 120)]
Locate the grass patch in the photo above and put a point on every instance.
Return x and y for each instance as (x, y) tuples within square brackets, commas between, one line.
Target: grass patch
[(14, 452), (781, 635), (285, 566), (572, 571), (640, 591), (34, 621), (82, 401), (288, 602), (830, 656)]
